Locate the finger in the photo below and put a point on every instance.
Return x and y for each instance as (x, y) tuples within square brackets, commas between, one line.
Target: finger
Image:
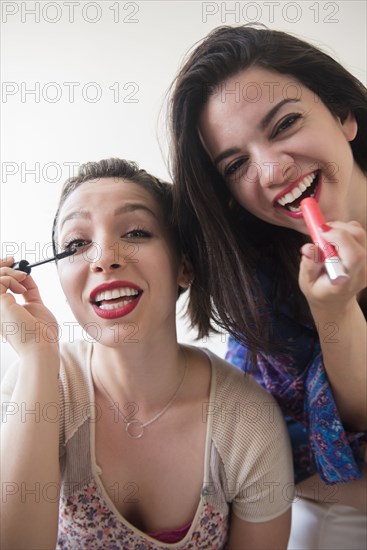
[(343, 224), (11, 280), (312, 252), (18, 275), (311, 264), (352, 228), (32, 294), (6, 261), (9, 283), (349, 246)]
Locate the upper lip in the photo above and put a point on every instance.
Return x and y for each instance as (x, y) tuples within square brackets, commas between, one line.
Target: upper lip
[(291, 187), (104, 287)]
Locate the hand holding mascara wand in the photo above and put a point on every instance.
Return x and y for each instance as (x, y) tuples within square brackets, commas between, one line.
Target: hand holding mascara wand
[(25, 266)]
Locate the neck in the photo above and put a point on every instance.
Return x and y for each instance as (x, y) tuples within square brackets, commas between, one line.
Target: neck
[(358, 199), (147, 375)]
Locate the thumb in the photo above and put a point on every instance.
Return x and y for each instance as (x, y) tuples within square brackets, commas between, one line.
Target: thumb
[(311, 263), (32, 294)]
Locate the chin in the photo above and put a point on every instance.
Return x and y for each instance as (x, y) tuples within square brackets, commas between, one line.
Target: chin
[(119, 334)]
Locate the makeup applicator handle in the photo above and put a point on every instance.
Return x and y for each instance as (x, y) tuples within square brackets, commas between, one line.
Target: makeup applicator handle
[(25, 266)]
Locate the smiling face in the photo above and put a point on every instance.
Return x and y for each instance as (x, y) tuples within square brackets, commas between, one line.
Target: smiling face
[(274, 142), (126, 271)]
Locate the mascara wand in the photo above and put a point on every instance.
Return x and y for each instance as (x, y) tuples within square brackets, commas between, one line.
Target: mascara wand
[(25, 266)]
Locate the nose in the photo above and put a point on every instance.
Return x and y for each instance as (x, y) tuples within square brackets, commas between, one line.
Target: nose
[(274, 168), (106, 258)]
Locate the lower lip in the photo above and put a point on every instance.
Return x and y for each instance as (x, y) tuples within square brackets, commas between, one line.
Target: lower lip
[(298, 215), (118, 312)]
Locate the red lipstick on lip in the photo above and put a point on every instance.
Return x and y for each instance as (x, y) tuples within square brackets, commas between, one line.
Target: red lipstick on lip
[(111, 286), (118, 312), (314, 220), (291, 187)]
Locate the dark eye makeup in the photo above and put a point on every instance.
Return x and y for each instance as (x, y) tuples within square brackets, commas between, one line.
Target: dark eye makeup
[(287, 122)]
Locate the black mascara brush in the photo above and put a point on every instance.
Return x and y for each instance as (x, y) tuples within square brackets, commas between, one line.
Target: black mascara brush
[(25, 266)]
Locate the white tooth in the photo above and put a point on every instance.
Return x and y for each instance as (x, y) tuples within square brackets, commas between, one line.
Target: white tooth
[(115, 293), (288, 197), (116, 305), (302, 186), (309, 181), (294, 209), (296, 193)]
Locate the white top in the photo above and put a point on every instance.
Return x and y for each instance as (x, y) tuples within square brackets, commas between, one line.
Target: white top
[(248, 465)]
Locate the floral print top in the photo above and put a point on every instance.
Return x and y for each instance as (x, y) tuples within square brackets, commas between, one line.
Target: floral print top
[(299, 383), (247, 469)]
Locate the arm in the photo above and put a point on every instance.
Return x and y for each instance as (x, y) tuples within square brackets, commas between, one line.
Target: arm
[(335, 307), (30, 475), (272, 535)]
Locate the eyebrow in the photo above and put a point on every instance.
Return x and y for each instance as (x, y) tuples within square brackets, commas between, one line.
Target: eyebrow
[(264, 123), (123, 209)]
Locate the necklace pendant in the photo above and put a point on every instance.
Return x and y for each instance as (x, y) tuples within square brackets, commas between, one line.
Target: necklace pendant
[(134, 429)]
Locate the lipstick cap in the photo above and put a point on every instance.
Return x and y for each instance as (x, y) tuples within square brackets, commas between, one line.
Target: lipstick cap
[(335, 269)]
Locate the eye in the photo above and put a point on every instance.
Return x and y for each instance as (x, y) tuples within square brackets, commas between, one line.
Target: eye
[(234, 167), (75, 243), (286, 123), (138, 234)]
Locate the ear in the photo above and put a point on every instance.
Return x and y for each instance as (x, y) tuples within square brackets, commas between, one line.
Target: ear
[(185, 273), (350, 127)]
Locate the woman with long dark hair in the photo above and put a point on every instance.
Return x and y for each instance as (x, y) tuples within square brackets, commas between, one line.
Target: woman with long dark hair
[(259, 121)]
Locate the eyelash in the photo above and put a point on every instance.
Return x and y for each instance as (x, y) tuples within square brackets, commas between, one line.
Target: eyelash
[(284, 124), (143, 233), (137, 233), (232, 168), (75, 243)]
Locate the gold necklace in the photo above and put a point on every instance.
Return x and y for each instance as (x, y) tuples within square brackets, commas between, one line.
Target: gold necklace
[(135, 424)]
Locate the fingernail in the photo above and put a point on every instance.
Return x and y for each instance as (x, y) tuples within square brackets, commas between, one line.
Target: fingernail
[(325, 227)]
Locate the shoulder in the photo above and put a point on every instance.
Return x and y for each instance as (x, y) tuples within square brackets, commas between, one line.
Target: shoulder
[(250, 436), (74, 357), (75, 380), (243, 413), (232, 384), (8, 383), (75, 389)]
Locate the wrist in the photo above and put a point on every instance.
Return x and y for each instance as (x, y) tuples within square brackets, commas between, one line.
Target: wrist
[(44, 357), (333, 310)]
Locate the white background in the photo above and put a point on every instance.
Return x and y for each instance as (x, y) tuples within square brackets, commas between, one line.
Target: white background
[(82, 81)]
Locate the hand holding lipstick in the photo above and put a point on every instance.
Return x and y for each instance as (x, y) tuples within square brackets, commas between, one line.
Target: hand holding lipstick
[(317, 227), (341, 248)]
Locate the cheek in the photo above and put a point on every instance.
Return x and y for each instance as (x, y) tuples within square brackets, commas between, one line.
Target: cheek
[(70, 277), (67, 287), (245, 194)]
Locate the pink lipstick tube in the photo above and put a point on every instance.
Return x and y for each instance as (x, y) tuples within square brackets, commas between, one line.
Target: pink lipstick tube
[(314, 220)]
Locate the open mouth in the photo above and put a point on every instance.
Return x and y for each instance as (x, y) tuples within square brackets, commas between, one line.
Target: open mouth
[(116, 298), (306, 188)]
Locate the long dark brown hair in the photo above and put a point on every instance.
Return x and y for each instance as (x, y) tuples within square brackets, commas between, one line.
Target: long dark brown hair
[(226, 242)]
